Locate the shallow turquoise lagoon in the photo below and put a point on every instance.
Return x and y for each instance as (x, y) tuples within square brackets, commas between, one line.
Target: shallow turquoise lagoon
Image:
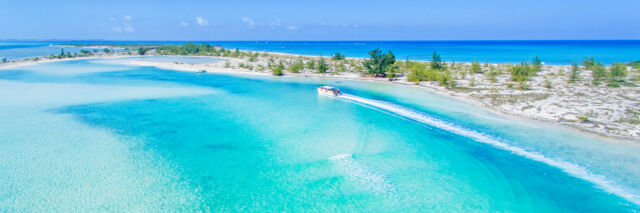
[(84, 135)]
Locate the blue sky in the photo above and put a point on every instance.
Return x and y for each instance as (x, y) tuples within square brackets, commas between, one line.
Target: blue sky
[(320, 20)]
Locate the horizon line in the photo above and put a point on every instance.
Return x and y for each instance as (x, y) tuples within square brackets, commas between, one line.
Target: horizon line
[(366, 40)]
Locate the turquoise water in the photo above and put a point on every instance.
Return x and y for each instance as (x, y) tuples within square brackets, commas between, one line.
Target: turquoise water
[(557, 52), (87, 135)]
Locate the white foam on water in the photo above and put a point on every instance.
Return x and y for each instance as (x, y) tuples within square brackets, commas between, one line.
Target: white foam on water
[(373, 180), (572, 169)]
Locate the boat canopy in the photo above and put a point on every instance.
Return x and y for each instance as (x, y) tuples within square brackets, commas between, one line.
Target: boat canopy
[(329, 88)]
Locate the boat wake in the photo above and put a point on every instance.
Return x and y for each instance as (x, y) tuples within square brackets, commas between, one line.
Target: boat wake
[(374, 181), (572, 169)]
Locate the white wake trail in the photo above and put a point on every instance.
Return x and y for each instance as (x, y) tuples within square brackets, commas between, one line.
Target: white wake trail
[(374, 181), (570, 168)]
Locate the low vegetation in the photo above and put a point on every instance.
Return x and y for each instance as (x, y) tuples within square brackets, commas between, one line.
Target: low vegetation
[(322, 66), (573, 77), (379, 64), (338, 56), (278, 69)]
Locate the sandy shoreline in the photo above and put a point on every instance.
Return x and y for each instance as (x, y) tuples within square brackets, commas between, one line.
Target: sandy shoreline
[(220, 67)]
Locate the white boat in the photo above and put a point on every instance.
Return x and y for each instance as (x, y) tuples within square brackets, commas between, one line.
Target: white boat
[(328, 90)]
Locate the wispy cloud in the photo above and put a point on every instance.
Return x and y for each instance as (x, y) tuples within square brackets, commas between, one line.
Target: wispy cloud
[(128, 28), (112, 19), (126, 17), (291, 27), (184, 24), (249, 21), (201, 21), (274, 24)]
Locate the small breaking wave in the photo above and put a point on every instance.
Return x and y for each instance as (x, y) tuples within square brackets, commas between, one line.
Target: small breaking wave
[(374, 181), (570, 168)]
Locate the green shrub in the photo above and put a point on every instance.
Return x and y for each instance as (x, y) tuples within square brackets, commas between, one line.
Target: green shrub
[(436, 63), (391, 72), (613, 84), (492, 76), (588, 63), (311, 64), (253, 57), (444, 79), (522, 72), (142, 50), (378, 63), (475, 67), (337, 56), (635, 64), (598, 71), (235, 54), (537, 63), (574, 72), (583, 119), (277, 70), (322, 66), (618, 70), (340, 67), (246, 66), (417, 72), (297, 66)]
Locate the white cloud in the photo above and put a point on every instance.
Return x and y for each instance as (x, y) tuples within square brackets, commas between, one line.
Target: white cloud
[(112, 19), (202, 22), (128, 28), (274, 24), (184, 24), (249, 22), (126, 17), (291, 27)]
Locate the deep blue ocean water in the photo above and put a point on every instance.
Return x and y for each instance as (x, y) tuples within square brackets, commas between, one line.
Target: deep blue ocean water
[(28, 49), (551, 52), (93, 136)]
